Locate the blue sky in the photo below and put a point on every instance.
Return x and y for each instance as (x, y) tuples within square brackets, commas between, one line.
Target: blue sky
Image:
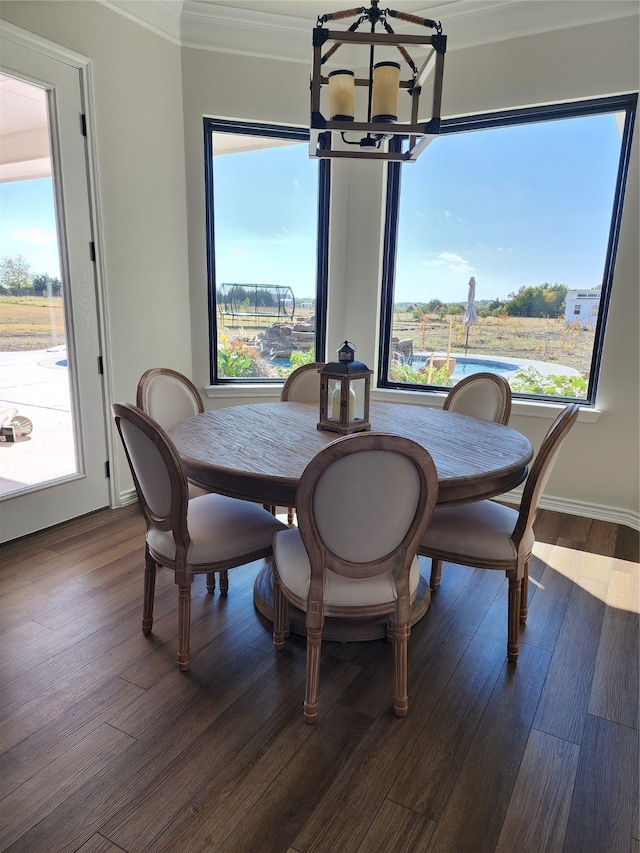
[(27, 224), (512, 207)]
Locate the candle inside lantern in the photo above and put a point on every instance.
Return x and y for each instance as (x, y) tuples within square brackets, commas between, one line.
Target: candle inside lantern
[(341, 95), (335, 404), (386, 81)]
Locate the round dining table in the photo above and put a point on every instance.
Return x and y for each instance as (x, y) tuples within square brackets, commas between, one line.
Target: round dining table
[(258, 451)]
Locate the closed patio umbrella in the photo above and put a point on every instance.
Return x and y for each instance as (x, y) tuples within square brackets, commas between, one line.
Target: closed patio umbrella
[(470, 314)]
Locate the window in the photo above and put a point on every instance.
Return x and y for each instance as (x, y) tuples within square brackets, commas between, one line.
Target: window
[(267, 233), (526, 207)]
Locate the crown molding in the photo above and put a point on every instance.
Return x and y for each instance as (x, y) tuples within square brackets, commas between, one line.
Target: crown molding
[(247, 29), (208, 26)]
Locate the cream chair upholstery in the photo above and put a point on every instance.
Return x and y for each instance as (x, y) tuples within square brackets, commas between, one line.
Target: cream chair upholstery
[(354, 551), (167, 396), (302, 386), (483, 395), (202, 535), (488, 535)]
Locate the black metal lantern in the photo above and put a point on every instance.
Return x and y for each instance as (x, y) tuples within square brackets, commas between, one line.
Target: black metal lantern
[(345, 393), (389, 113)]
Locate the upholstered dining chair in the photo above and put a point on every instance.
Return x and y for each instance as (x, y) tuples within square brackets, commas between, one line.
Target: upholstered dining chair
[(302, 386), (169, 397), (198, 536), (483, 395), (488, 535), (354, 551)]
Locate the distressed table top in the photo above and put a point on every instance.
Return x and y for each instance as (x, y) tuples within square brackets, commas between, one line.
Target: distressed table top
[(258, 451)]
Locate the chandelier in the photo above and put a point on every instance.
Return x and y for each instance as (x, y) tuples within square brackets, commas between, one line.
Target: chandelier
[(368, 139)]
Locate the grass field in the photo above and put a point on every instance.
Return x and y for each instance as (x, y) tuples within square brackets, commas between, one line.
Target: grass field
[(31, 323), (513, 337)]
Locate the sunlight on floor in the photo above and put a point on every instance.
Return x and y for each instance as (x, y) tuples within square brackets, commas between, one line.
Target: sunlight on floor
[(614, 582)]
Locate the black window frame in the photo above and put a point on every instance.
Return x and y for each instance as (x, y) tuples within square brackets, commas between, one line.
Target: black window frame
[(287, 133), (504, 118)]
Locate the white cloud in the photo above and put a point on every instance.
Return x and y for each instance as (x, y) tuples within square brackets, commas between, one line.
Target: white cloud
[(34, 235), (451, 261)]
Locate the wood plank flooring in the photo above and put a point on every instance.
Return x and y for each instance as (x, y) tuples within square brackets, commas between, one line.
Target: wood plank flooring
[(105, 746)]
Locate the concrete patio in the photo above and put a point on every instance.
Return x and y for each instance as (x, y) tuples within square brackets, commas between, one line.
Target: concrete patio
[(37, 385)]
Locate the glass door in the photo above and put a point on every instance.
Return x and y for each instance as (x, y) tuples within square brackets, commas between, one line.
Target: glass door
[(52, 430), (37, 436)]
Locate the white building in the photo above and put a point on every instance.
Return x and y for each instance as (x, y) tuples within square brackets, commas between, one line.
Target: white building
[(582, 305)]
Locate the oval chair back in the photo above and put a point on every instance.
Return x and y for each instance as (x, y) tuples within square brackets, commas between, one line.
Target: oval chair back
[(157, 473), (303, 384), (483, 395), (167, 396), (540, 470)]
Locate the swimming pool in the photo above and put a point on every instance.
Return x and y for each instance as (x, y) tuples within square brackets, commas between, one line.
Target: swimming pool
[(465, 365)]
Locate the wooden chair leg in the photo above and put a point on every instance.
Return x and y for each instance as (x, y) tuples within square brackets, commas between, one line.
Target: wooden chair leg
[(314, 647), (436, 573), (150, 568), (224, 582), (211, 582), (401, 693), (524, 594), (513, 617), (184, 625), (280, 613)]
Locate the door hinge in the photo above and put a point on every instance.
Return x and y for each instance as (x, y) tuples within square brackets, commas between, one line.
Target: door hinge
[(92, 251), (107, 469), (100, 365), (83, 124)]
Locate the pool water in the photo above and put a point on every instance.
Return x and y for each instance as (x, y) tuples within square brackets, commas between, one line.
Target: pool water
[(467, 365)]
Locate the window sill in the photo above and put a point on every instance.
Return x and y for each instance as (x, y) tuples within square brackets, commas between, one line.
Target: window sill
[(525, 408), (240, 392)]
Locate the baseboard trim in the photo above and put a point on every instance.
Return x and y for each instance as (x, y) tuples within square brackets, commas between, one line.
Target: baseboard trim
[(129, 496), (613, 514)]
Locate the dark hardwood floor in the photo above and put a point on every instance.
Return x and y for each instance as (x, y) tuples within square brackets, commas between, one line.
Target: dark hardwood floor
[(106, 746)]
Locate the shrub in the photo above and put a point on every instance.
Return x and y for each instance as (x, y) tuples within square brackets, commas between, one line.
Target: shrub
[(236, 359), (406, 374), (531, 381)]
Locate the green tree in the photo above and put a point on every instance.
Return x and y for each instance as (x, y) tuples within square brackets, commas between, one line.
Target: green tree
[(15, 276), (493, 308), (43, 284), (450, 308), (544, 300)]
